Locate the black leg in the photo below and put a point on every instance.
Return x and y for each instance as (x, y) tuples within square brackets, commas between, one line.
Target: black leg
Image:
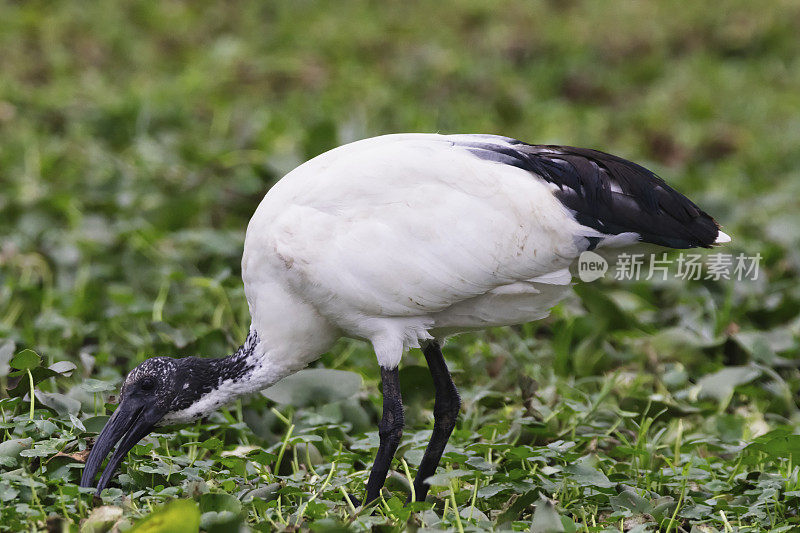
[(390, 430), (445, 413)]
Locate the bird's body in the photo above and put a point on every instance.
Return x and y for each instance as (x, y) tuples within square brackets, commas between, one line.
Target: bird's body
[(403, 247), (405, 239)]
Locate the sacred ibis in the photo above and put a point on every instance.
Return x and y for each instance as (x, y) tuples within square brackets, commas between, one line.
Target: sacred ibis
[(402, 240)]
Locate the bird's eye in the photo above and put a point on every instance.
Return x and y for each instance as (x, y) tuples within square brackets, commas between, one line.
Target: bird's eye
[(147, 384)]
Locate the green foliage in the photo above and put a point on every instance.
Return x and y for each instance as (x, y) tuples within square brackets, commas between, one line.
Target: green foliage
[(314, 386), (180, 516), (25, 360), (137, 138)]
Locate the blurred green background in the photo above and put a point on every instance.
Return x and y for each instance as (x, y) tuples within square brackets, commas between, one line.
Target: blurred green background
[(137, 138)]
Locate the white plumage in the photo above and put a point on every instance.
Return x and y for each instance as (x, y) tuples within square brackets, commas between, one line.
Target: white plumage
[(400, 238)]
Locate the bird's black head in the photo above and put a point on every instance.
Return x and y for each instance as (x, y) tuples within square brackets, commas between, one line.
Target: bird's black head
[(154, 392)]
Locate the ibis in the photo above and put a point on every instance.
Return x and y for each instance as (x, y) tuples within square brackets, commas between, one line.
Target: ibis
[(403, 240)]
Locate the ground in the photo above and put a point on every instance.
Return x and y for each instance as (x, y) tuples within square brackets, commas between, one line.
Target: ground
[(136, 139)]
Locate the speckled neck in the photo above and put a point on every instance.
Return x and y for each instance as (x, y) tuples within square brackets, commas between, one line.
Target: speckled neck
[(204, 384), (240, 364)]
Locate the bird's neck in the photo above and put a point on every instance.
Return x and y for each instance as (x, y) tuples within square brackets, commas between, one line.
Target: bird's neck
[(252, 368), (213, 383), (238, 367)]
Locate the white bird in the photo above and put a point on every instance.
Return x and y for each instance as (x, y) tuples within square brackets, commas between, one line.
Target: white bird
[(402, 240)]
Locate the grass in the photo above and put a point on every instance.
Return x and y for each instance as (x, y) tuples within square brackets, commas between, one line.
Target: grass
[(136, 139)]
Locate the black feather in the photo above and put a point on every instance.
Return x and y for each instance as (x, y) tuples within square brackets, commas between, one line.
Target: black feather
[(646, 205)]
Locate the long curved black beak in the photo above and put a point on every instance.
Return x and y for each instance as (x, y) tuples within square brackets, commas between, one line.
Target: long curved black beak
[(132, 421)]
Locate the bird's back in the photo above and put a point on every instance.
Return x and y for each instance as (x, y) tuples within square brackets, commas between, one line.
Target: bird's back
[(395, 238)]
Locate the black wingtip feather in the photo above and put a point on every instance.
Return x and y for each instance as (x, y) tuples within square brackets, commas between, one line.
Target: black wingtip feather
[(643, 204)]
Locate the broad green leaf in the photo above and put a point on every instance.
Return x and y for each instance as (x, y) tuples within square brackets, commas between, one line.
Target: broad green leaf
[(76, 423), (64, 368), (102, 519), (219, 501), (7, 493), (474, 513), (25, 360), (546, 518), (10, 450), (220, 512), (720, 384), (95, 424), (212, 444), (43, 449), (63, 405), (779, 444), (266, 493), (676, 339), (179, 516), (96, 385), (356, 415), (314, 386), (585, 472), (443, 478), (518, 504), (569, 525), (220, 521), (631, 500)]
